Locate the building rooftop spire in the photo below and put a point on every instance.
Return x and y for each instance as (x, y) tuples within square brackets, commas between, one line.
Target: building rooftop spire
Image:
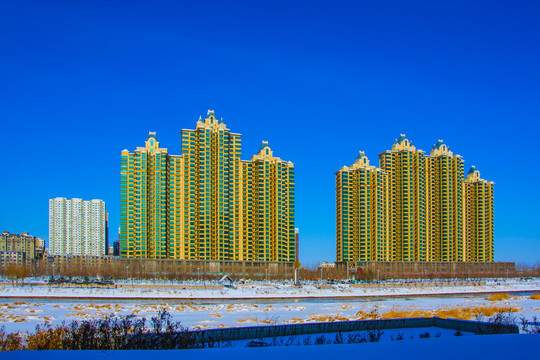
[(264, 144), (210, 113), (360, 155), (438, 144)]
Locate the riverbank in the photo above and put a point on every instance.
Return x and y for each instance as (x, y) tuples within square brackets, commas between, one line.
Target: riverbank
[(254, 291)]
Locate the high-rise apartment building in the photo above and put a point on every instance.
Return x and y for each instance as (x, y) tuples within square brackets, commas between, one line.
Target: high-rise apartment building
[(414, 207), (362, 212), (77, 227), (296, 244), (206, 203), (478, 217)]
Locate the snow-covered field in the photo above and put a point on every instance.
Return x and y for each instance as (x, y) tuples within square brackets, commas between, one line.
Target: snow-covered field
[(444, 348), (283, 304), (157, 290)]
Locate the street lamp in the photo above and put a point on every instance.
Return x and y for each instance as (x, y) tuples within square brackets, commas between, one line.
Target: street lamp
[(266, 274), (469, 274), (53, 269), (127, 272), (198, 270), (377, 276), (321, 276)]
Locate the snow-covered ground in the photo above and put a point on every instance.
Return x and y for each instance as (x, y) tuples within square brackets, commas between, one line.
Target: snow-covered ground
[(261, 304), (201, 290), (444, 348), (349, 337)]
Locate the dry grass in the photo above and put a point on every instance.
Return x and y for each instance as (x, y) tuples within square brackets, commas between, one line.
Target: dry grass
[(294, 321), (365, 315), (246, 320), (16, 318), (326, 318), (535, 296), (396, 313), (452, 312), (499, 297)]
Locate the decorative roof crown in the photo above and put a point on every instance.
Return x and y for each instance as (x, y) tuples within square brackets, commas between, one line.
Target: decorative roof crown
[(438, 144), (264, 144), (210, 113), (360, 155)]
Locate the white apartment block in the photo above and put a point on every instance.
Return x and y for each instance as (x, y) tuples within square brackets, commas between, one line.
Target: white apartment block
[(77, 227)]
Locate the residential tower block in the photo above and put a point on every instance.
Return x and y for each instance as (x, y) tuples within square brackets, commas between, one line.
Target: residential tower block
[(413, 207)]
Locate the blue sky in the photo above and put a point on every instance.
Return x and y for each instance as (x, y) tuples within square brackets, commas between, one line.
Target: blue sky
[(81, 81)]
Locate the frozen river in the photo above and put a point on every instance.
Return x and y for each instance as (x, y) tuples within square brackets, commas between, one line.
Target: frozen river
[(25, 314)]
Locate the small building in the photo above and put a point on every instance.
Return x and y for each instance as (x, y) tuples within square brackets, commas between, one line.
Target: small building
[(12, 257), (326, 265), (19, 243)]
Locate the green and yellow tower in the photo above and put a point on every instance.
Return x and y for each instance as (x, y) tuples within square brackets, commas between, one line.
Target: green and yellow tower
[(406, 168), (207, 203), (362, 198), (444, 208), (479, 224), (144, 209)]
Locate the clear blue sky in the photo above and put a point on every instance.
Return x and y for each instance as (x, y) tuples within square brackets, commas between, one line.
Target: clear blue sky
[(82, 80)]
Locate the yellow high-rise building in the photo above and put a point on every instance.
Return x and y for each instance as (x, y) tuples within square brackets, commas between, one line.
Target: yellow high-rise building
[(412, 208), (406, 168), (362, 212), (207, 203), (478, 217), (444, 208)]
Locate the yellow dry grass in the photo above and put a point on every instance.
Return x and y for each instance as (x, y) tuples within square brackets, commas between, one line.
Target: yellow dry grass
[(365, 315), (16, 318), (535, 296), (246, 320), (395, 313), (294, 321), (326, 318), (498, 297), (453, 312)]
